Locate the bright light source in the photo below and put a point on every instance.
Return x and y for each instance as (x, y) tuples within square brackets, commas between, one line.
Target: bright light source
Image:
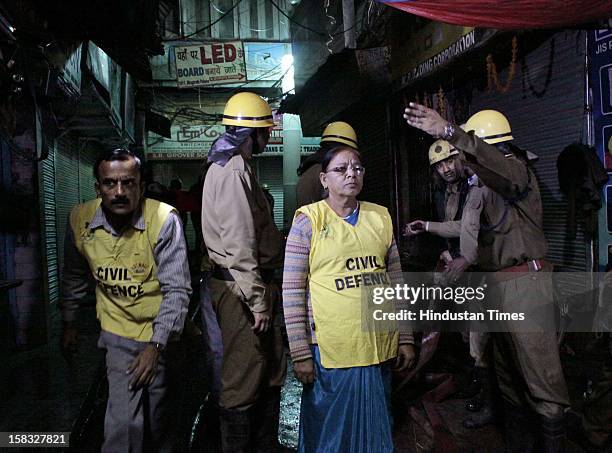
[(287, 68), (286, 61)]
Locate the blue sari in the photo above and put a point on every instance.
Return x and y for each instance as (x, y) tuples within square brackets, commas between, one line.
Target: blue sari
[(346, 409)]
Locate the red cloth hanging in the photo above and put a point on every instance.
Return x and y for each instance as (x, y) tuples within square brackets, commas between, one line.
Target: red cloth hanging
[(508, 14)]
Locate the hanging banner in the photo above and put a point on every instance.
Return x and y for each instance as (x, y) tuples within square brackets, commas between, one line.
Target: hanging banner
[(116, 82), (374, 64), (69, 77), (210, 64), (187, 142), (98, 63), (600, 54), (459, 47), (276, 133)]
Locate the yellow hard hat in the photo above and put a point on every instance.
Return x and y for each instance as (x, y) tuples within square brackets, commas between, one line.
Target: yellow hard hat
[(340, 132), (490, 125), (247, 110), (440, 150)]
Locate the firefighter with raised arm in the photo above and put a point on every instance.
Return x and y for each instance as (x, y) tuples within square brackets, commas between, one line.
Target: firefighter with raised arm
[(513, 251)]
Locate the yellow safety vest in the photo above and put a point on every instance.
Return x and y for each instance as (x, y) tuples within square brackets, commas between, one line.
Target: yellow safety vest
[(340, 254), (128, 294)]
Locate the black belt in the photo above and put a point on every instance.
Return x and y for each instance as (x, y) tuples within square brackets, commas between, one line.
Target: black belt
[(222, 273)]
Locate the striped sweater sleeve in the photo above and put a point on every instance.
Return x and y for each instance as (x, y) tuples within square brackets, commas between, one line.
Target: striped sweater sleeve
[(295, 280), (394, 269)]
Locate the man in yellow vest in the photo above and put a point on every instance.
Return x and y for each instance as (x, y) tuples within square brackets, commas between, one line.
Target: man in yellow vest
[(135, 250), (246, 247)]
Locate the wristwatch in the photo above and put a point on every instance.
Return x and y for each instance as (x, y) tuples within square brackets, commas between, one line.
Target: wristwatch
[(449, 131), (160, 347)]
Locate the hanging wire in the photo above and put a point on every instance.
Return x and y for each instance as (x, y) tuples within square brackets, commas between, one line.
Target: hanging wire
[(200, 30), (276, 6), (305, 27), (332, 23), (191, 113)]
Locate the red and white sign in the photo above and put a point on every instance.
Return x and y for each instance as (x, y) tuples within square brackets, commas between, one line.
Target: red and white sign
[(210, 64)]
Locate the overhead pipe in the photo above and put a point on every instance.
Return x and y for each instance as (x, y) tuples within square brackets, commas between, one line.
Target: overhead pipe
[(348, 22)]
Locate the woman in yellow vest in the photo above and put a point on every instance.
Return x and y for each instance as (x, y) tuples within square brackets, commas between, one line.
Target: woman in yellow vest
[(346, 371), (309, 188)]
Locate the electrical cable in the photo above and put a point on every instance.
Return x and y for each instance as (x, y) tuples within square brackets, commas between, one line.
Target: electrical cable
[(200, 30), (305, 27)]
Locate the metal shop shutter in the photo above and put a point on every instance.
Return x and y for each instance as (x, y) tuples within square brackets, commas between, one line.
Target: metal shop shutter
[(370, 123), (47, 188), (87, 158), (270, 172), (67, 191), (545, 119)]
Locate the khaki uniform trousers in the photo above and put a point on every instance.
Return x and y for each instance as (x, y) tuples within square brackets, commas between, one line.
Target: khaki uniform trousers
[(526, 354), (251, 363)]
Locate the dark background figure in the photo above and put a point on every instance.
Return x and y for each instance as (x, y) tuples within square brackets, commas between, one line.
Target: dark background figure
[(269, 197), (176, 198), (195, 193), (156, 191)]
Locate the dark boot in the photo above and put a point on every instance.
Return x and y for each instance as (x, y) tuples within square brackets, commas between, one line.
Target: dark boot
[(552, 434), (475, 384), (482, 404), (264, 425), (235, 431), (519, 430), (208, 432), (577, 434)]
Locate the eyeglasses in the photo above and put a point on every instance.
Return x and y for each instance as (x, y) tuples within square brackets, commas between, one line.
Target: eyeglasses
[(358, 169)]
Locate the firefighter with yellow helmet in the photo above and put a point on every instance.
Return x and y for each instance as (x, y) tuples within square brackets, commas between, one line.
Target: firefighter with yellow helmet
[(459, 226), (462, 236), (452, 188), (512, 249), (246, 248), (309, 188)]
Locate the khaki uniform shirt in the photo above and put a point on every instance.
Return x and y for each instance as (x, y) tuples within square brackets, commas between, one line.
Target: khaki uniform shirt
[(511, 231), (466, 229), (309, 188), (238, 228), (452, 201)]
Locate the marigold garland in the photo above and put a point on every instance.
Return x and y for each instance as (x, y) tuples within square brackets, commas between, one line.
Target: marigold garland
[(493, 76)]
